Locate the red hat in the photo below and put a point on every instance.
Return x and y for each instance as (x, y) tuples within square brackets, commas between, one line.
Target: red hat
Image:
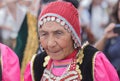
[(64, 13)]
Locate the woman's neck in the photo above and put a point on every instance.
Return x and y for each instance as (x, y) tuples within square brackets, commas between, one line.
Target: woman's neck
[(71, 56)]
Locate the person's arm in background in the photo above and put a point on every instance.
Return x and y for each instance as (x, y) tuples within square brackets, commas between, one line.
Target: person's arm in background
[(10, 64), (108, 33), (103, 69), (27, 73)]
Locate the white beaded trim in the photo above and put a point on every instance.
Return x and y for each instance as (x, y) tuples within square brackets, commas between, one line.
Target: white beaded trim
[(62, 23), (52, 18), (44, 20), (48, 19), (40, 23), (57, 18)]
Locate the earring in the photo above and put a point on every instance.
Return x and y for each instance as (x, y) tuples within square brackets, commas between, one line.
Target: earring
[(42, 49), (75, 45)]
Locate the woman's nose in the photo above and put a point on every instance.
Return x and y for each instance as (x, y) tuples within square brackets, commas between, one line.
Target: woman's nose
[(51, 41)]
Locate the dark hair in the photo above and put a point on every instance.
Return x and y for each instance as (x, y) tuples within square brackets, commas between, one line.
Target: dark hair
[(46, 1), (74, 2), (115, 12)]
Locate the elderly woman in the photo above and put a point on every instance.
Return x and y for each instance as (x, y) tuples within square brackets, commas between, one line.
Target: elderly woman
[(9, 64), (64, 59)]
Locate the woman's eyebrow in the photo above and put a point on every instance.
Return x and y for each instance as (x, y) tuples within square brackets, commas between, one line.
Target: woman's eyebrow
[(42, 31)]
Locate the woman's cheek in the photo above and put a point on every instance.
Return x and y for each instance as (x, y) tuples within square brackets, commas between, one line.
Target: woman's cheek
[(43, 43), (63, 42)]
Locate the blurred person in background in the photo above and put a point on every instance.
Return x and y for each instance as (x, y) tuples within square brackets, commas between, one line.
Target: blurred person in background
[(17, 11), (25, 41), (21, 38), (31, 44), (111, 4), (98, 17), (0, 21), (13, 17), (110, 41), (9, 64), (86, 32), (6, 29), (16, 19)]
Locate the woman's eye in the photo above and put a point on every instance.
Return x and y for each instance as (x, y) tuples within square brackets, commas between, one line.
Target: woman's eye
[(59, 32), (43, 34)]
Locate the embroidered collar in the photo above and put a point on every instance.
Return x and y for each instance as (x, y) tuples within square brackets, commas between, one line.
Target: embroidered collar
[(72, 55)]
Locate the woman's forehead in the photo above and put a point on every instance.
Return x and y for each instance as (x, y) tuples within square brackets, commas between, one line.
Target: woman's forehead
[(52, 26)]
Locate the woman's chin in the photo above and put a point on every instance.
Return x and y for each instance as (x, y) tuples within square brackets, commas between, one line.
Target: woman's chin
[(56, 57)]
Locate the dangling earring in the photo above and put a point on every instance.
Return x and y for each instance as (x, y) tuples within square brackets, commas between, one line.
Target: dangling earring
[(41, 48), (75, 45)]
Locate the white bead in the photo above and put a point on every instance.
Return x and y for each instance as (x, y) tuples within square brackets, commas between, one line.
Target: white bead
[(75, 40), (69, 30), (73, 37), (52, 18), (57, 20), (44, 20), (62, 23), (66, 27), (48, 18), (40, 23)]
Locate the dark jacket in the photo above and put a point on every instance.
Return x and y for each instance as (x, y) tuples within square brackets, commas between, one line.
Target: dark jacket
[(86, 66)]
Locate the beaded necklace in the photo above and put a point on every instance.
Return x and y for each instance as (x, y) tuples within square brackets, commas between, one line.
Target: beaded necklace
[(72, 72)]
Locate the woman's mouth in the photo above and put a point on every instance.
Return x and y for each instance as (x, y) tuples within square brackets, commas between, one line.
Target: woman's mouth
[(54, 52)]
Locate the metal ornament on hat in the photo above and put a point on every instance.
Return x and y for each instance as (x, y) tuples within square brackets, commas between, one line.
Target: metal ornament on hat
[(62, 23)]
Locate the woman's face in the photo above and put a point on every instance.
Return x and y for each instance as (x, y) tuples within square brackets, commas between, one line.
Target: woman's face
[(119, 11), (55, 40)]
